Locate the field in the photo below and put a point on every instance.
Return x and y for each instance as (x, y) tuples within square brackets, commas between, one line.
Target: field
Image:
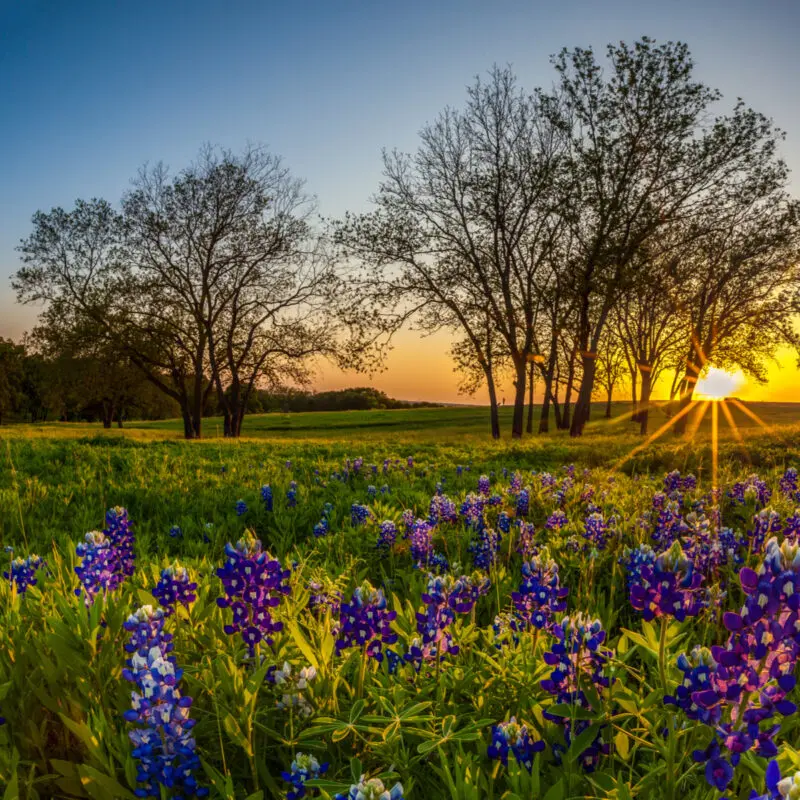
[(432, 584)]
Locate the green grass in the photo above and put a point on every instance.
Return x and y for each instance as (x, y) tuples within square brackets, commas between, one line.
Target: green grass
[(60, 670), (445, 424)]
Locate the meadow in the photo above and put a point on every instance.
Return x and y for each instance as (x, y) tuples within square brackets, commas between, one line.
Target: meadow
[(390, 594)]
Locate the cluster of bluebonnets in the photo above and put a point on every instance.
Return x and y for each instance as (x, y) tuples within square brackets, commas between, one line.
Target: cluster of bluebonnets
[(688, 562)]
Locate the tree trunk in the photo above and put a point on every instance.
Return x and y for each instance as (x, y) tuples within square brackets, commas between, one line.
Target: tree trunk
[(108, 414), (608, 403), (519, 398), (582, 406), (689, 383), (644, 398), (494, 413), (634, 395), (529, 426), (687, 392), (188, 424)]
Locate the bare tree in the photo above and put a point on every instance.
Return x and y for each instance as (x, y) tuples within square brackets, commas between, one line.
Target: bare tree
[(739, 284), (644, 150), (74, 263), (468, 221), (610, 366)]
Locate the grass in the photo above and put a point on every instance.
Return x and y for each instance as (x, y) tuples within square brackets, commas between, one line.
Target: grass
[(449, 423), (60, 670)]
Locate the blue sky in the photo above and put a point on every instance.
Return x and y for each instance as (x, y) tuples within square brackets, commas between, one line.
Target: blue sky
[(92, 90)]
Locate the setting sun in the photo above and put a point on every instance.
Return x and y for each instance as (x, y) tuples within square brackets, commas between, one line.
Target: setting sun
[(717, 384)]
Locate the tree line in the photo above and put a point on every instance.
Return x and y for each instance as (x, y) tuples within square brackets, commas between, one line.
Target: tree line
[(37, 386), (621, 226)]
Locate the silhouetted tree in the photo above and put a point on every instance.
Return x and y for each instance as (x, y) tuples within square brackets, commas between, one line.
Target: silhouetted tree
[(644, 149), (467, 221)]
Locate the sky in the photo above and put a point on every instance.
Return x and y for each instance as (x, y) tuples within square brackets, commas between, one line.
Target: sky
[(91, 91)]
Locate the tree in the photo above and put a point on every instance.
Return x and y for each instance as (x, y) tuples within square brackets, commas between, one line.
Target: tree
[(463, 227), (644, 150), (229, 240), (610, 366), (205, 280), (650, 327), (76, 262), (739, 283), (12, 376)]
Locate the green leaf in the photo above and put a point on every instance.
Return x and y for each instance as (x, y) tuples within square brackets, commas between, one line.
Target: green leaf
[(302, 644)]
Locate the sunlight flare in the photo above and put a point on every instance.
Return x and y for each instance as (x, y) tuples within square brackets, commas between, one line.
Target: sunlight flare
[(717, 384)]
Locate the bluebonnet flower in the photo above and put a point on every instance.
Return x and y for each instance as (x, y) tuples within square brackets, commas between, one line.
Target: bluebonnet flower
[(385, 489), (675, 485), (372, 789), (324, 598), (208, 528), (291, 494), (634, 559), (752, 488), (266, 497), (546, 480), (119, 531), (669, 587), (484, 546), (22, 572), (791, 529), (563, 489), (669, 525), (175, 532), (459, 470), (765, 523), (442, 509), (175, 587), (162, 740), (512, 737), (421, 542), (526, 544), (366, 622), (556, 521), (523, 503), (254, 583), (788, 485), (359, 514), (321, 528), (718, 772), (241, 508), (483, 485), (596, 530), (293, 685), (750, 677), (504, 522), (387, 535), (106, 556), (371, 491), (540, 595), (437, 562), (472, 509), (587, 493), (515, 484), (577, 657), (304, 768)]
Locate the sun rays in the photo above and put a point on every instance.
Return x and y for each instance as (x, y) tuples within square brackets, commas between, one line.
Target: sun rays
[(712, 393)]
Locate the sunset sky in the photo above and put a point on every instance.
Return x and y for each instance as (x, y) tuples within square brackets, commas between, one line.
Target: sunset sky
[(92, 90)]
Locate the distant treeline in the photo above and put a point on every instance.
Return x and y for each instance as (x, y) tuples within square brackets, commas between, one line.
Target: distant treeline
[(37, 388), (360, 399)]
